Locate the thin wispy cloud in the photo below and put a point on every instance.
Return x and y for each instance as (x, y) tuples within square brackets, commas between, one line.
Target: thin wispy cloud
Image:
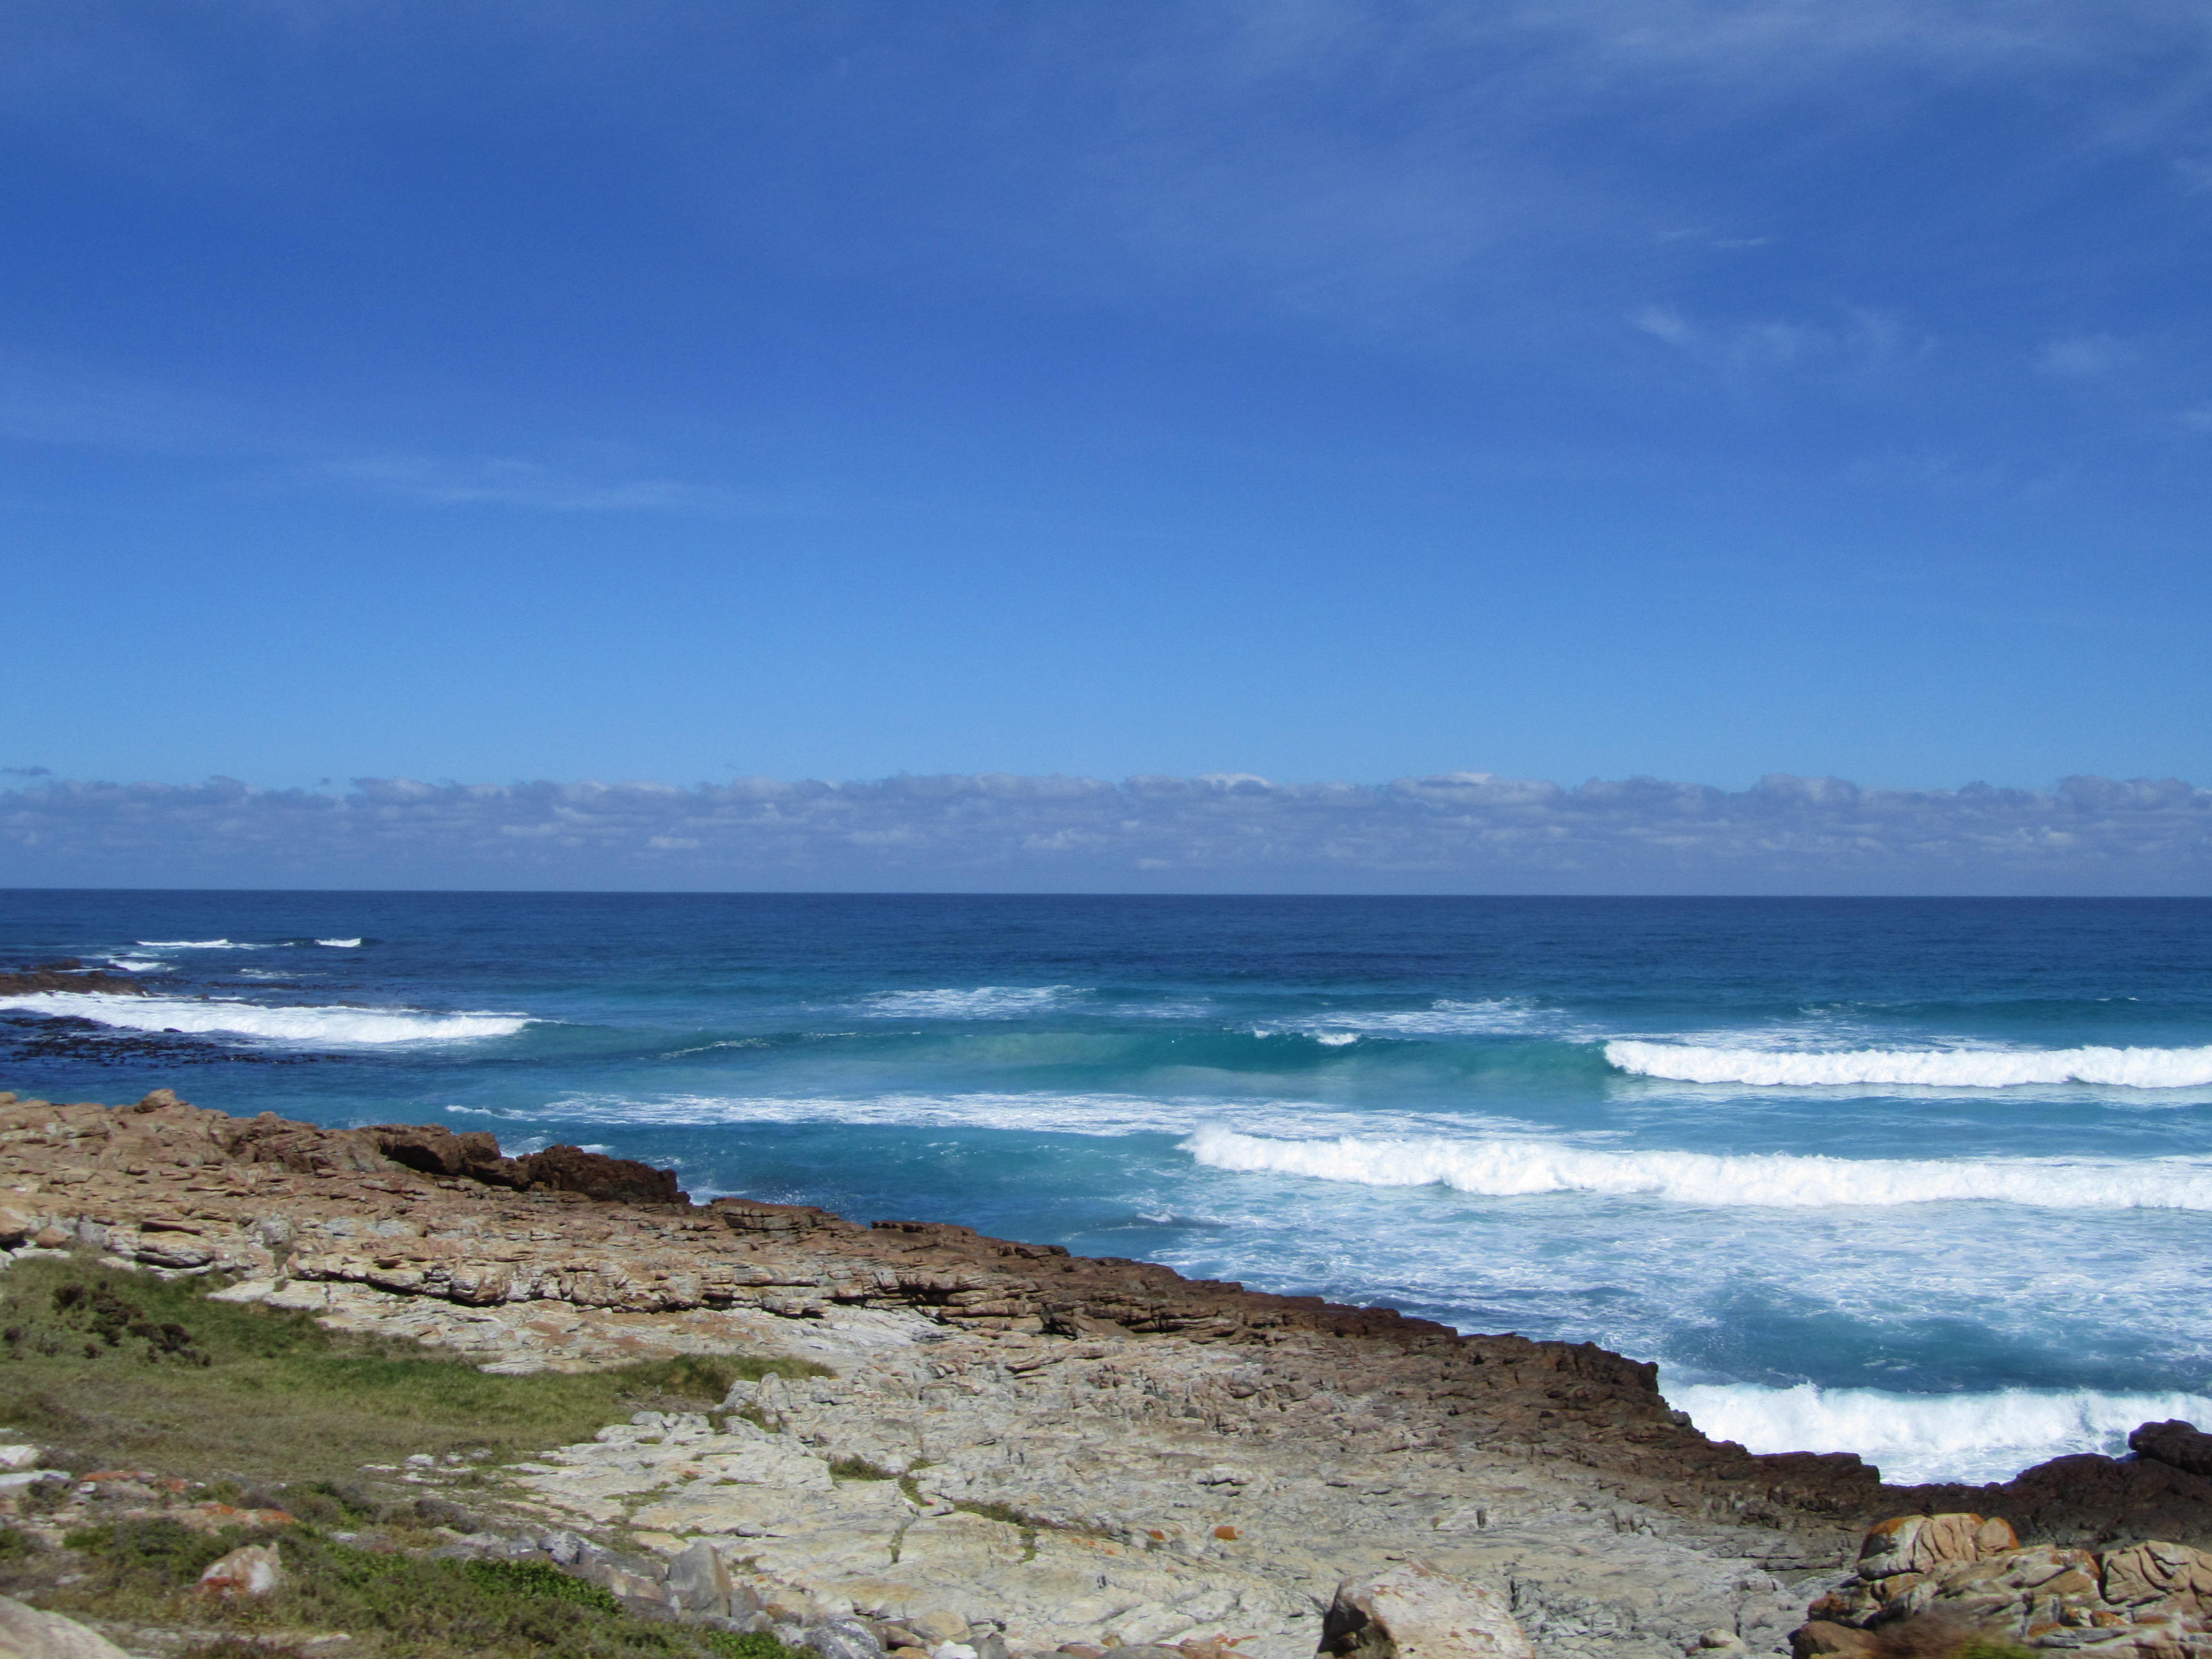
[(508, 481), (1456, 832)]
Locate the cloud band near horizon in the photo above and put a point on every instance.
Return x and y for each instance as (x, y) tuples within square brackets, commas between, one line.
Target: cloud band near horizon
[(1459, 832)]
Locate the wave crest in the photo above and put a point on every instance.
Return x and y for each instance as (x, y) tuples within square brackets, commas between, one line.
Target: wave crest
[(1517, 1168), (338, 1028), (1957, 1068), (983, 1002)]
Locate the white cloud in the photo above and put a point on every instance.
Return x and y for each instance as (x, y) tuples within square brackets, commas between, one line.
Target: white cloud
[(506, 482), (2085, 356), (1457, 832)]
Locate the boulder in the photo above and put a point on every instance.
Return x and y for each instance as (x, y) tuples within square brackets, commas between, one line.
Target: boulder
[(1415, 1611), (2175, 1443), (1822, 1640), (699, 1582), (27, 1633), (842, 1638), (251, 1570)]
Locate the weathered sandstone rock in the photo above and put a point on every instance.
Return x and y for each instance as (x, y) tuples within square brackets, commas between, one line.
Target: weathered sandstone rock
[(2150, 1601), (27, 1633), (1415, 1611)]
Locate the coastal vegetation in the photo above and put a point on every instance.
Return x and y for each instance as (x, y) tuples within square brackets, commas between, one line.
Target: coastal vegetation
[(107, 1369)]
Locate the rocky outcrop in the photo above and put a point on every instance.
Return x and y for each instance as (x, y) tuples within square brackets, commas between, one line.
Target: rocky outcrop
[(2179, 1445), (2084, 1501), (68, 977), (570, 1259), (435, 1151), (1969, 1576)]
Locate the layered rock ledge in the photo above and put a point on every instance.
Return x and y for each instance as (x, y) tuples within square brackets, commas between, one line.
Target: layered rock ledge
[(1097, 1447)]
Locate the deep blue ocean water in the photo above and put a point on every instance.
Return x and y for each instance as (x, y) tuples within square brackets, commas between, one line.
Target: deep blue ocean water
[(1927, 1180)]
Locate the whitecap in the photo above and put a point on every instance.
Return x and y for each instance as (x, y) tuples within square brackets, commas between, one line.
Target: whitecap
[(340, 943), (1086, 1113), (1505, 1168), (196, 944), (1915, 1437), (982, 1002), (1961, 1068), (307, 1027)]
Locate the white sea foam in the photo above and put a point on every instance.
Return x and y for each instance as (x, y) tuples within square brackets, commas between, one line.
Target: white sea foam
[(1098, 1113), (1913, 1438), (341, 943), (197, 945), (138, 965), (982, 1002), (1515, 1168), (306, 1027), (1962, 1068), (1488, 1016)]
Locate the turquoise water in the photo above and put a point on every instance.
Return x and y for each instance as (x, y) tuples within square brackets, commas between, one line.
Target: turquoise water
[(1930, 1180)]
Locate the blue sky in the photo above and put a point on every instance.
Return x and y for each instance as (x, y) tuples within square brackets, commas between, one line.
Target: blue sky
[(685, 393)]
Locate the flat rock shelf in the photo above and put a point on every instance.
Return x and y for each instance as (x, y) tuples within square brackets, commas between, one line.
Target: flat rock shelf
[(1073, 1451)]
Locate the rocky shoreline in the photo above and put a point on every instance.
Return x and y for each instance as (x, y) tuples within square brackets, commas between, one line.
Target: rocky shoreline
[(1069, 1452)]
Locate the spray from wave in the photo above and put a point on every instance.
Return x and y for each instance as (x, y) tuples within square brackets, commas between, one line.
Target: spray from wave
[(1520, 1168), (1958, 1068), (338, 1028), (1914, 1438)]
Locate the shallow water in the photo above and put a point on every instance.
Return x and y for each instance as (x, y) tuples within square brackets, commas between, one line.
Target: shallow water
[(1927, 1180)]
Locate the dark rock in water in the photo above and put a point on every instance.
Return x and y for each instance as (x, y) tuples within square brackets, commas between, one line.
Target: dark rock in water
[(52, 977), (434, 1150), (2180, 1445), (610, 1180), (29, 1036)]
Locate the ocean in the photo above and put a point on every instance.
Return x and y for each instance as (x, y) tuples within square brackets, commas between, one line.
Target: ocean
[(1926, 1180)]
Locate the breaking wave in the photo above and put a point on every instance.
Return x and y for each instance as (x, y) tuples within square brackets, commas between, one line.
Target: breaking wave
[(340, 943), (1098, 1113), (197, 945), (1960, 1068), (1915, 1437), (338, 1028), (1519, 1168)]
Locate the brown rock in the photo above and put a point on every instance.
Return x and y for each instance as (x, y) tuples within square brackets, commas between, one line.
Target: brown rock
[(596, 1175), (2174, 1442), (1822, 1640)]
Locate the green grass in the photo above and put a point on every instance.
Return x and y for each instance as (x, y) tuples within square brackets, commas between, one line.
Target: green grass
[(393, 1607), (108, 1369)]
